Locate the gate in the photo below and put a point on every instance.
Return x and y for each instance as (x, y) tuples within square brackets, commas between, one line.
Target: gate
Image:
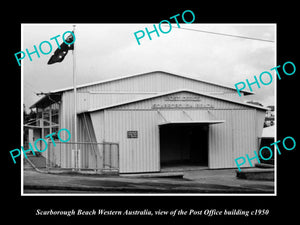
[(98, 157)]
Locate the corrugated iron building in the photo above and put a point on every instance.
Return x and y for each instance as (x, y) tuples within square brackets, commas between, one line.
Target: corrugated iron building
[(157, 119)]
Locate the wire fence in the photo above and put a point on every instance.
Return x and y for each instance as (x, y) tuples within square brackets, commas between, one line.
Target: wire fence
[(100, 157)]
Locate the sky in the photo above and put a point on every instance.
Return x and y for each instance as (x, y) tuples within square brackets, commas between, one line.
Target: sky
[(105, 51)]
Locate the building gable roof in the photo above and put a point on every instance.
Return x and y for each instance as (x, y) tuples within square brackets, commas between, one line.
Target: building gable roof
[(145, 74), (59, 91), (173, 92)]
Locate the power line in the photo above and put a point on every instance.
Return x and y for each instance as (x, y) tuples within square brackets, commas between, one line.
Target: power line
[(229, 35)]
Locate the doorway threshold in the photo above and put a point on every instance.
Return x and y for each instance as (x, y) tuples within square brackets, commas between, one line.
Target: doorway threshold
[(182, 168)]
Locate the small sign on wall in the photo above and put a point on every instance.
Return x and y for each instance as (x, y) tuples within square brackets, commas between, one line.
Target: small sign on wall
[(132, 134)]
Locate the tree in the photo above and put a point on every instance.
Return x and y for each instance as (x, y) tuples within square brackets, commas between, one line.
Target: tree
[(28, 116)]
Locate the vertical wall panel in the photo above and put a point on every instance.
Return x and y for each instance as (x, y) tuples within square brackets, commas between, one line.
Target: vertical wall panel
[(136, 154), (220, 140), (244, 135), (235, 138), (260, 118)]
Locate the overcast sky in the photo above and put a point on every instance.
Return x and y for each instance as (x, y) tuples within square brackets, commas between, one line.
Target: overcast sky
[(106, 51)]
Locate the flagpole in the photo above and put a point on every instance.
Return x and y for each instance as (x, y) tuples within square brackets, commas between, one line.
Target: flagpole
[(75, 104)]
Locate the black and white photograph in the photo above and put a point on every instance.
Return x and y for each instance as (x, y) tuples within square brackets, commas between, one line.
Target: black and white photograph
[(131, 113), (157, 116)]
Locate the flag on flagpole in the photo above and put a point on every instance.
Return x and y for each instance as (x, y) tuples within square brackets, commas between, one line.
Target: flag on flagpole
[(58, 56), (60, 53)]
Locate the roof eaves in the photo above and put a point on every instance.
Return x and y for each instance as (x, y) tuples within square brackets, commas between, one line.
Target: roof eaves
[(173, 92)]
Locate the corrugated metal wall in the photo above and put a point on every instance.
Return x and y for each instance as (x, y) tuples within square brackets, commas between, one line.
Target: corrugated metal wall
[(235, 138), (156, 82), (90, 97), (136, 154), (227, 141), (84, 126), (97, 95), (102, 94)]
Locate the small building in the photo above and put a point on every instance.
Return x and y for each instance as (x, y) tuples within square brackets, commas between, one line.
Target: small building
[(267, 138), (145, 121)]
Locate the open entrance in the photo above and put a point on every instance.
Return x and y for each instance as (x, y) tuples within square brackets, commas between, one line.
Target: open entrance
[(183, 145)]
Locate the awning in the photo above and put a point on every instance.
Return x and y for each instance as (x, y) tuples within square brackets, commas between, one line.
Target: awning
[(48, 99), (203, 122)]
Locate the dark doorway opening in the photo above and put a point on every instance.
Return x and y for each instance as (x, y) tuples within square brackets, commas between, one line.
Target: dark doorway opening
[(184, 144)]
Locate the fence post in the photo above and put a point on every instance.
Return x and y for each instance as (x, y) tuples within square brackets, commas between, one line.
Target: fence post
[(104, 157), (78, 157), (48, 155), (96, 158), (110, 161), (118, 158), (79, 160)]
